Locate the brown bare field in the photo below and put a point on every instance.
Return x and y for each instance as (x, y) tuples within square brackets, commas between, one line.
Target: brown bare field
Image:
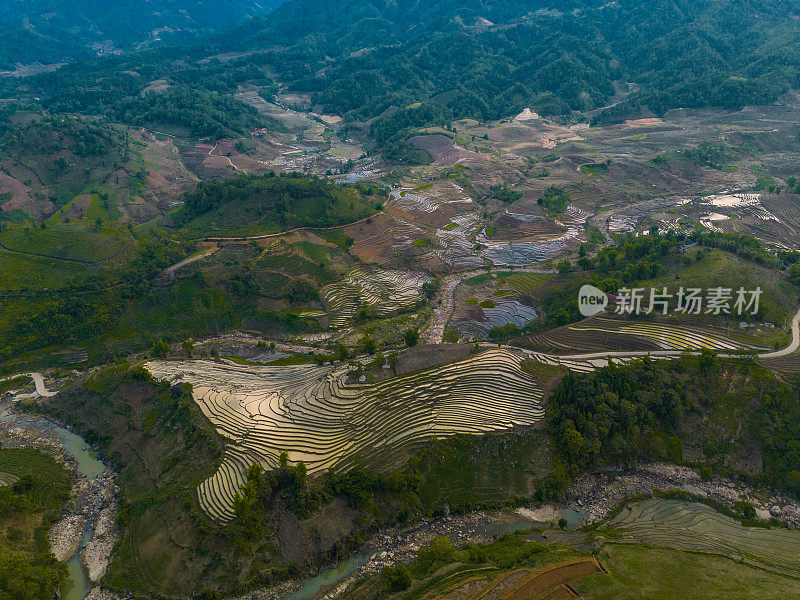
[(381, 238), (444, 150), (78, 207), (198, 161), (560, 593), (510, 580), (465, 590), (552, 577), (21, 199)]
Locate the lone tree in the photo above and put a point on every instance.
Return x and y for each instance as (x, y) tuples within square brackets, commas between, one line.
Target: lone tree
[(412, 337), (188, 347), (368, 345), (160, 348)]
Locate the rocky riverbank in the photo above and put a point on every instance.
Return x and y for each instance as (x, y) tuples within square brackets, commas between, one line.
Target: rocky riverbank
[(596, 494), (66, 536), (92, 507), (592, 496), (96, 556), (99, 593), (93, 501), (20, 430)]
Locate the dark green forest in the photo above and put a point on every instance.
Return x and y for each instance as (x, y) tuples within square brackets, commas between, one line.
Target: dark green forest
[(268, 201), (50, 31), (483, 60), (650, 409)]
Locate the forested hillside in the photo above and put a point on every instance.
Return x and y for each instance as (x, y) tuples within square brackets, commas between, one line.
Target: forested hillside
[(484, 60), (47, 31)]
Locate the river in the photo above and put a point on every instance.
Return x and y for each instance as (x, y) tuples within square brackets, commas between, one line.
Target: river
[(331, 577), (86, 463), (89, 465)]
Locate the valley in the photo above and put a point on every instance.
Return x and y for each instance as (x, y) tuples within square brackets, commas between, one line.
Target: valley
[(451, 301)]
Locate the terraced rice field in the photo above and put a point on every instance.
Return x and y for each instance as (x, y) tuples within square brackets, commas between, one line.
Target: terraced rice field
[(526, 584), (410, 201), (384, 238), (7, 479), (665, 337), (567, 340), (577, 365), (318, 418), (387, 291), (622, 223), (525, 252), (771, 218), (430, 197), (697, 527), (785, 206), (504, 312), (529, 284), (789, 365), (456, 242), (550, 582)]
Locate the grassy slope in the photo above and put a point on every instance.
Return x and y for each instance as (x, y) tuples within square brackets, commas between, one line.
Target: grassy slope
[(60, 159), (467, 471), (62, 254), (637, 571), (70, 242), (247, 218), (61, 282), (723, 269)]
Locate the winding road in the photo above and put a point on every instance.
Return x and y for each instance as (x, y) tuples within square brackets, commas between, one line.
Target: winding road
[(38, 380), (793, 346), (230, 162), (169, 273), (592, 357)]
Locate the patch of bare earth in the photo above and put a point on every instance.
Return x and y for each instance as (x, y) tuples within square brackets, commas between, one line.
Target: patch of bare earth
[(78, 207), (198, 160), (167, 176), (444, 150), (20, 199)]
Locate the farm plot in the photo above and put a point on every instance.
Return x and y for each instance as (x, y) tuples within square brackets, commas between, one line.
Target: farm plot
[(410, 201), (526, 584), (455, 241), (522, 226), (525, 252), (567, 340), (697, 527), (552, 580), (785, 206), (789, 364), (770, 218), (503, 313), (385, 291), (318, 418), (382, 238), (528, 284), (665, 337), (622, 223)]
